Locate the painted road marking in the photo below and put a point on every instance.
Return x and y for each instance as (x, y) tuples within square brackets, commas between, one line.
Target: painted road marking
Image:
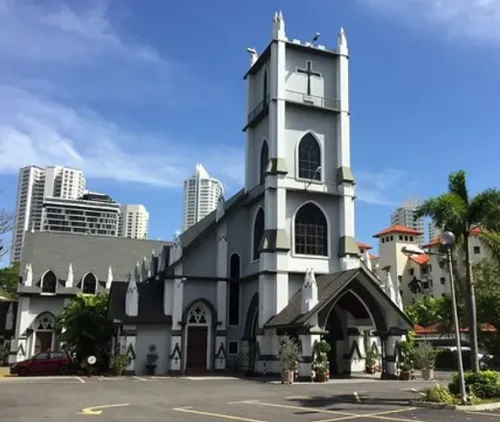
[(345, 415), (298, 398), (189, 409), (80, 379), (96, 410), (242, 402), (485, 413), (140, 379), (356, 397)]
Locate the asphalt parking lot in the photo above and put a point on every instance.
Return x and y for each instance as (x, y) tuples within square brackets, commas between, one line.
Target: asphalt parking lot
[(60, 399)]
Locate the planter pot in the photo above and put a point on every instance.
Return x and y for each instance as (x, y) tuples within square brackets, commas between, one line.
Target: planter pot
[(428, 374), (150, 369), (321, 377), (370, 369), (287, 377), (405, 375)]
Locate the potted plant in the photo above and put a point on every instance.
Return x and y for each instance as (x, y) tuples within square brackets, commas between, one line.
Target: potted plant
[(151, 359), (288, 355), (321, 350), (371, 361), (120, 362), (425, 359), (406, 360)]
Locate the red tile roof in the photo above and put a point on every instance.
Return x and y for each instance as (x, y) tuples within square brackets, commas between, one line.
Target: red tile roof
[(437, 240), (435, 329), (363, 246), (398, 229), (420, 259)]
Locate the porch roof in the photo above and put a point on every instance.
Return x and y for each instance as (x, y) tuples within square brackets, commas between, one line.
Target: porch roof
[(330, 287)]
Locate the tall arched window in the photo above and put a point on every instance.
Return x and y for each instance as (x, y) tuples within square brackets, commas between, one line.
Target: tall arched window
[(264, 159), (89, 284), (49, 282), (311, 231), (258, 233), (234, 289), (309, 158)]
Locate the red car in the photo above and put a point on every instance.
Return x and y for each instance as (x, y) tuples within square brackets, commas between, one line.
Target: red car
[(43, 363)]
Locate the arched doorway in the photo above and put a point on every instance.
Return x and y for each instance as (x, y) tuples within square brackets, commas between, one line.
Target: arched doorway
[(251, 328), (350, 322), (44, 333), (197, 338)]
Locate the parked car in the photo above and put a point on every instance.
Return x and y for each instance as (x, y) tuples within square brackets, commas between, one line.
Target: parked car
[(44, 363)]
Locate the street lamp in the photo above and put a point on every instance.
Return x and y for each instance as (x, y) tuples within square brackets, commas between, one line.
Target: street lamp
[(447, 239)]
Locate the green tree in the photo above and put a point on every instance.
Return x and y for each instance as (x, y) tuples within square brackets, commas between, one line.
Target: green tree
[(84, 328), (6, 225), (428, 310), (487, 276), (9, 278), (460, 213)]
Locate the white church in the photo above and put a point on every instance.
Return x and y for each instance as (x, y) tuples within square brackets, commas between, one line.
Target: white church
[(278, 257)]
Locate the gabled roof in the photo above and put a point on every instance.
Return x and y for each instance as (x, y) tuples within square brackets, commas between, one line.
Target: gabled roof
[(196, 230), (398, 229), (363, 246), (150, 304), (330, 286)]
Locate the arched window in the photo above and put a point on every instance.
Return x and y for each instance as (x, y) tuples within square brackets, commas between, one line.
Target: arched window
[(258, 233), (311, 231), (89, 284), (49, 282), (309, 158), (264, 83), (234, 266), (264, 159), (234, 289)]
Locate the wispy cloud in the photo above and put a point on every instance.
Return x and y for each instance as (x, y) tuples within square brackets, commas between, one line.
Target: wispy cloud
[(59, 64), (381, 187), (36, 130), (476, 20)]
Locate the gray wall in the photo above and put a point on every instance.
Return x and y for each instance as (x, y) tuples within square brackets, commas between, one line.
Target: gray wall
[(158, 335), (194, 290)]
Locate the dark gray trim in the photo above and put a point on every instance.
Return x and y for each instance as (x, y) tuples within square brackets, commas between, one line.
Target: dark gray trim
[(333, 54), (272, 358), (261, 61), (275, 240), (221, 333), (209, 305), (352, 331), (253, 309), (176, 333)]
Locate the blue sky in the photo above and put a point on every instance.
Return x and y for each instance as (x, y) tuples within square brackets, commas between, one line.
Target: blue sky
[(136, 93)]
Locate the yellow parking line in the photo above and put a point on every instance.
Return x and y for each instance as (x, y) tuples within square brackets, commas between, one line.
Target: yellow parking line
[(215, 415)]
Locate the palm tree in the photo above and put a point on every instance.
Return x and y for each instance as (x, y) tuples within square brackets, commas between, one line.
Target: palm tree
[(459, 213)]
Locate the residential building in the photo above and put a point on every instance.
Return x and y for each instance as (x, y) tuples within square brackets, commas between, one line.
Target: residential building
[(93, 213), (404, 216), (34, 185), (134, 220), (201, 196), (417, 274), (433, 230)]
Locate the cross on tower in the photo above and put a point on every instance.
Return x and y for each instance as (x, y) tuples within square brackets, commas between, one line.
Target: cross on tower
[(309, 72)]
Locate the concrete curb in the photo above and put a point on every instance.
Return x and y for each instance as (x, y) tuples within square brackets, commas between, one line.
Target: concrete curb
[(442, 406)]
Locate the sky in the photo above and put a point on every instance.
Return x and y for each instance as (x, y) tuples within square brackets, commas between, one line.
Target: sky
[(136, 93)]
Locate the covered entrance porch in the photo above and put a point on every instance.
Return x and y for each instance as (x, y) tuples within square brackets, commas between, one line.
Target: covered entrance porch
[(350, 311)]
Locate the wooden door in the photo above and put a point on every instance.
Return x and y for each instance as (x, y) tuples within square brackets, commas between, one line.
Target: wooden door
[(43, 341), (196, 350)]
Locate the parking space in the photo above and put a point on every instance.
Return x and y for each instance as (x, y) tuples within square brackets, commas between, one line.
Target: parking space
[(218, 399)]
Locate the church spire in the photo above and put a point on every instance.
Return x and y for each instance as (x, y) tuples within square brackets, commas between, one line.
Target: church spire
[(9, 318), (131, 297), (279, 26), (70, 277), (366, 258), (342, 42), (110, 278)]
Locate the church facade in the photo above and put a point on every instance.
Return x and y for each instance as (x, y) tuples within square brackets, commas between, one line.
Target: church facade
[(279, 256), (56, 267)]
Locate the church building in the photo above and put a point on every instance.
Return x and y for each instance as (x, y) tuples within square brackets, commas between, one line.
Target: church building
[(279, 256)]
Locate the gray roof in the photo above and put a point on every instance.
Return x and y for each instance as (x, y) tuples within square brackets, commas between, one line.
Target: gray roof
[(150, 304), (87, 253), (330, 286)]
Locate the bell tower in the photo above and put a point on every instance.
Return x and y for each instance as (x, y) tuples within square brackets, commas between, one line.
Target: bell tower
[(297, 164)]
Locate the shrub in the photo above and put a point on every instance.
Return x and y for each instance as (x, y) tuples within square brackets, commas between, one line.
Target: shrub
[(439, 394), (288, 353), (120, 362), (425, 356), (483, 384)]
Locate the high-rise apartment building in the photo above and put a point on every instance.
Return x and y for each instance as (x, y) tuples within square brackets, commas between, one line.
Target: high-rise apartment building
[(434, 231), (34, 185), (134, 220), (93, 213), (201, 196), (404, 216)]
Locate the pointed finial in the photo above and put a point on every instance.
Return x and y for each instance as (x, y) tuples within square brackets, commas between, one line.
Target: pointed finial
[(280, 15), (275, 17)]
